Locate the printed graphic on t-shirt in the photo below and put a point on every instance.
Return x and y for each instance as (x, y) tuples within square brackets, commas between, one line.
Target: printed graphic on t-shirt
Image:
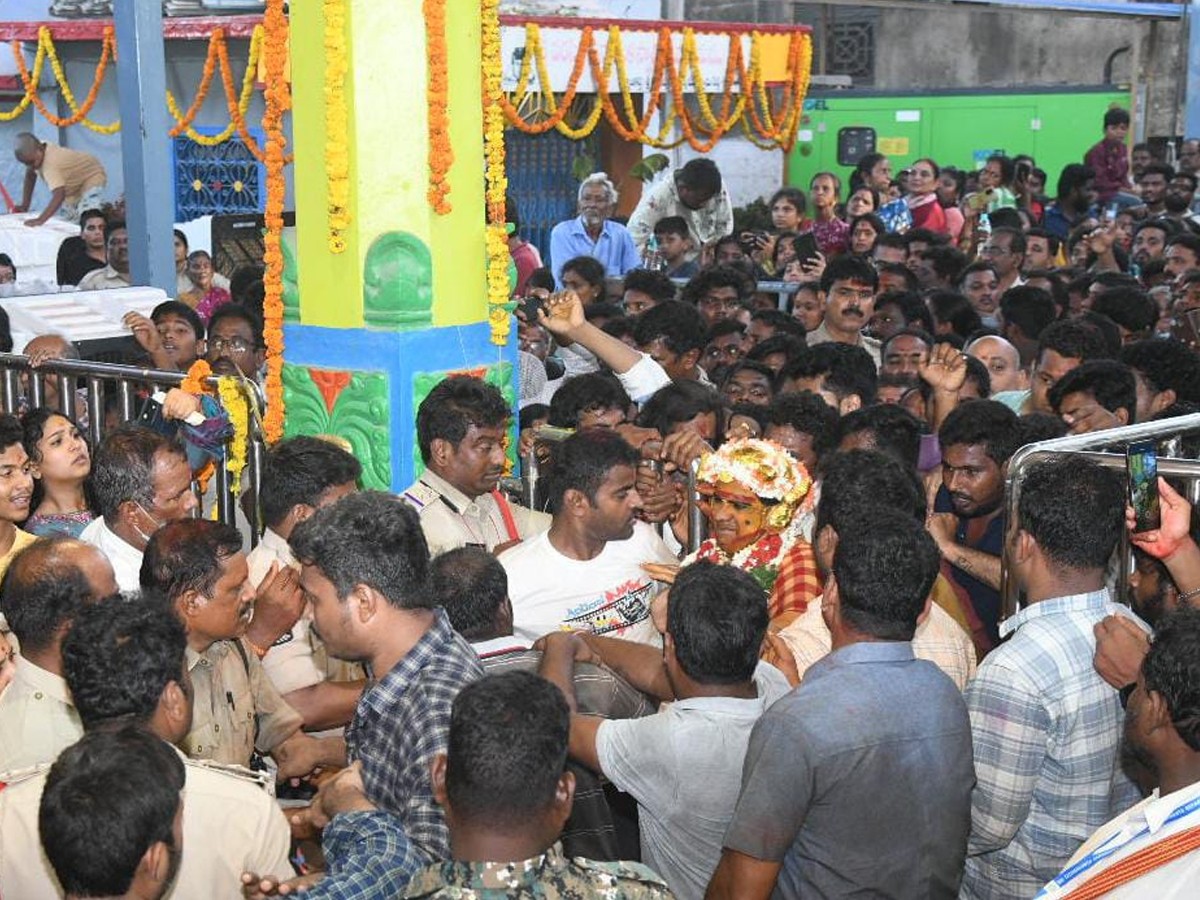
[(616, 610)]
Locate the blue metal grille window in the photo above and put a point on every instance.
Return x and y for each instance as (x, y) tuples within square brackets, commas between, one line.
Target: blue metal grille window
[(217, 180), (541, 181)]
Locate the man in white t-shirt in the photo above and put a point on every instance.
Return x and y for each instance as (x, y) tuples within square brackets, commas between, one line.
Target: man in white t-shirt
[(584, 573), (683, 765)]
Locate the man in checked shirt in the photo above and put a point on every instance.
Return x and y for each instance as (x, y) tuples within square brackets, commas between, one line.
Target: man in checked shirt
[(365, 572)]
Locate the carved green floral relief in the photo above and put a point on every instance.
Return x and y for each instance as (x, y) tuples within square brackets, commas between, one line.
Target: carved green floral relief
[(291, 283), (351, 405), (398, 283)]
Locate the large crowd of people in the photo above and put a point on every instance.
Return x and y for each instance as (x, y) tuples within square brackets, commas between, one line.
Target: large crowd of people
[(464, 693)]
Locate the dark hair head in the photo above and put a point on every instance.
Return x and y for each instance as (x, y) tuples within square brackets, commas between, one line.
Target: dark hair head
[(679, 324), (119, 656), (910, 277), (33, 425), (1007, 167), (583, 461), (182, 238), (1166, 226), (470, 584), (678, 402), (591, 392), (1165, 365), (1053, 242), (653, 284), (896, 431), (299, 470), (1029, 308), (780, 321), (849, 268), (1072, 178), (978, 373), (242, 314), (1035, 427), (847, 370), (789, 345), (588, 268), (506, 750), (985, 423), (182, 311), (792, 195), (1129, 307), (107, 800), (1074, 509), (93, 213), (123, 468), (1116, 116), (187, 555), (1073, 339), (885, 565), (956, 311), (371, 538), (893, 240), (911, 306), (1186, 239), (808, 414), (946, 262), (1159, 168), (909, 331), (714, 277), (700, 174), (453, 406), (1109, 333), (1109, 382), (676, 225), (11, 431), (716, 617), (42, 591), (855, 481), (1172, 670), (541, 278), (750, 365)]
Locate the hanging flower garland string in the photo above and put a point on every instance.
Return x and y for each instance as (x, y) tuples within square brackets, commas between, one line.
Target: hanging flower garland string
[(275, 51), (441, 151), (499, 318), (337, 153)]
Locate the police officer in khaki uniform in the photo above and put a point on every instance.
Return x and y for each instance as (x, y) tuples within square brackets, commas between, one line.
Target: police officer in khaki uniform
[(199, 569), (124, 661), (462, 435)]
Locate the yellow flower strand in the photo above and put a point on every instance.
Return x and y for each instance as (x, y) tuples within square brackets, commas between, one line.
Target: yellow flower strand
[(233, 401), (499, 320), (337, 153)]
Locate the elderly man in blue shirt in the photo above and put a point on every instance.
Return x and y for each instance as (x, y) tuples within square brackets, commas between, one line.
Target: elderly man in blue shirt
[(592, 233)]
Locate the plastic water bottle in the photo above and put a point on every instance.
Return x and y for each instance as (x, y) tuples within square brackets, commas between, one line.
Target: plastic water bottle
[(652, 259)]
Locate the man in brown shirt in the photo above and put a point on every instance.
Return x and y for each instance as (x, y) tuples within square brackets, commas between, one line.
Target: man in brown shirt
[(75, 179)]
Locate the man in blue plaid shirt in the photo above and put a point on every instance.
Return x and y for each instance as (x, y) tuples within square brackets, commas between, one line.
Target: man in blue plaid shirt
[(365, 572), (1046, 727)]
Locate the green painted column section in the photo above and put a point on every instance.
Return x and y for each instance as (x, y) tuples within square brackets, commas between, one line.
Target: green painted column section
[(382, 280)]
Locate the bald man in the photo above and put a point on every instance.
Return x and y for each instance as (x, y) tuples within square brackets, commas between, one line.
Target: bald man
[(1003, 363), (75, 179)]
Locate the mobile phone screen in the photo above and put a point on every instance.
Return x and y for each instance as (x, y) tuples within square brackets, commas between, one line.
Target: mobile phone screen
[(806, 248), (1141, 461)]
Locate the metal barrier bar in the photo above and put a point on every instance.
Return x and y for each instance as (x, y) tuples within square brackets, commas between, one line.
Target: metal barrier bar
[(1086, 446), (126, 380)]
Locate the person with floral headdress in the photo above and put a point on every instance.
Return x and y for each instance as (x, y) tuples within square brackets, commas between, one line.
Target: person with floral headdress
[(751, 492)]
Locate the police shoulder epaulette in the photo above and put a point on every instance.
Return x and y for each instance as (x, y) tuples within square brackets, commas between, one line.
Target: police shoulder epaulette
[(420, 495), (262, 779)]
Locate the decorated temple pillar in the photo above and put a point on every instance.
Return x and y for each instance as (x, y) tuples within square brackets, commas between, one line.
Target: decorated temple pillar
[(385, 286)]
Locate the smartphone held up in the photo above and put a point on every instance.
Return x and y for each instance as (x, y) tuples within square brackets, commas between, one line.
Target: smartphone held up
[(1141, 462)]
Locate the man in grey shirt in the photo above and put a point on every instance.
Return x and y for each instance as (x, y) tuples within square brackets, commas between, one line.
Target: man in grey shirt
[(858, 783), (684, 764)]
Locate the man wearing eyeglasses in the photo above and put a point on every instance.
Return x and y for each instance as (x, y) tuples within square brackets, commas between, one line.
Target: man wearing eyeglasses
[(1005, 250), (848, 288), (235, 342)]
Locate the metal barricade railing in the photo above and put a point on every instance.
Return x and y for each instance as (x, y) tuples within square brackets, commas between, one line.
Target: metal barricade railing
[(531, 469), (1096, 447), (125, 382)]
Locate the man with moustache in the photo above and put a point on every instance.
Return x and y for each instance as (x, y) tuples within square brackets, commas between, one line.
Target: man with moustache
[(461, 428), (592, 233), (977, 440), (199, 569), (848, 288), (1153, 849)]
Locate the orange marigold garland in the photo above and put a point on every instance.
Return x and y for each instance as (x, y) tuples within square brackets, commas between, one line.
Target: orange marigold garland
[(497, 184), (275, 47), (337, 153), (441, 152)]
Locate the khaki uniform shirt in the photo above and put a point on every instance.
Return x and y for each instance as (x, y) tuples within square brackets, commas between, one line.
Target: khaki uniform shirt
[(73, 171), (451, 519), (235, 708), (37, 719), (298, 659), (103, 279), (231, 825)]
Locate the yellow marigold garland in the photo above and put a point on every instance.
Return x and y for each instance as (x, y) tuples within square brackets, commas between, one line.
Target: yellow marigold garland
[(441, 151), (237, 408), (745, 98), (337, 153), (497, 184), (238, 103), (275, 53)]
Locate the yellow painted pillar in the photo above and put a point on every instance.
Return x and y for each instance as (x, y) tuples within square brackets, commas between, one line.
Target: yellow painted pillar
[(387, 141)]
